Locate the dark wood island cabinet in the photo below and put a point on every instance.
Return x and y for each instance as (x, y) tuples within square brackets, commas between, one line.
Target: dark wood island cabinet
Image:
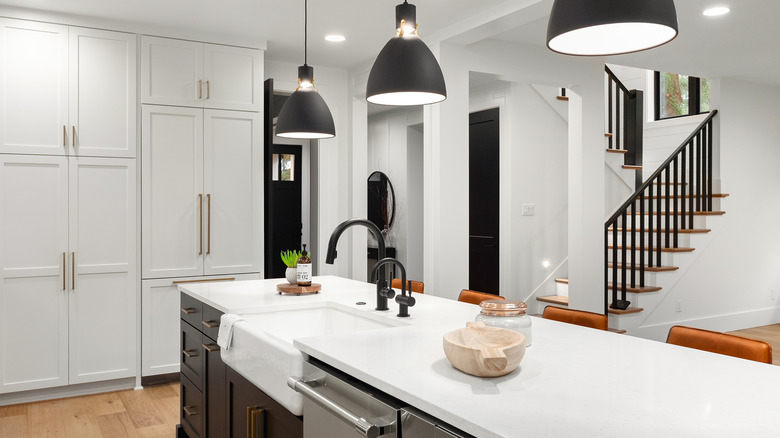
[(216, 401)]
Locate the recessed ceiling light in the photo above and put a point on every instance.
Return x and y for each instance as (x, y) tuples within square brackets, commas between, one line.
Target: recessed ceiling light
[(335, 38), (714, 12)]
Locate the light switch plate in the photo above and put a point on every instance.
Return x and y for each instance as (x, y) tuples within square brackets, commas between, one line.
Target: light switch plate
[(529, 209)]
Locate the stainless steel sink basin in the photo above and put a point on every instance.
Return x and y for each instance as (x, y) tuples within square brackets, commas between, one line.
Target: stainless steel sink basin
[(262, 348)]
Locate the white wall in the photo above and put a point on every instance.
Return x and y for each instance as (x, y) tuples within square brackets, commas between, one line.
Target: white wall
[(728, 287), (389, 152), (333, 161)]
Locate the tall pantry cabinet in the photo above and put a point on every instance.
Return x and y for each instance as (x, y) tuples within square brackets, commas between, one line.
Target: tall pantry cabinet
[(68, 231), (202, 186)]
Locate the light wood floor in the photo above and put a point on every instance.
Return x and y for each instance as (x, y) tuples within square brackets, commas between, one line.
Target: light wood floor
[(767, 333), (150, 413)]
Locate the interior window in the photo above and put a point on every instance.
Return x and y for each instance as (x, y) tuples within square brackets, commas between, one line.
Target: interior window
[(679, 95)]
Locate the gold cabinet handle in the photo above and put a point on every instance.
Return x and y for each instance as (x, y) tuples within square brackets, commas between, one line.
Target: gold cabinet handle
[(64, 135), (200, 223), (64, 262), (211, 347), (208, 216), (210, 324), (189, 410), (73, 136), (208, 90), (203, 280), (73, 271), (252, 412), (190, 353), (200, 89), (188, 310)]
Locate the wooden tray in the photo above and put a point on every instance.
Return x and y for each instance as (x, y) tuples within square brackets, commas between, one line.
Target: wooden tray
[(292, 289)]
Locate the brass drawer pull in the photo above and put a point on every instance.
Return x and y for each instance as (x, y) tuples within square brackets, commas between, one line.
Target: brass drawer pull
[(73, 137), (211, 347), (64, 135), (204, 280), (208, 90), (190, 353), (252, 414), (210, 324), (208, 227), (200, 89), (188, 310), (64, 270), (73, 271), (189, 410), (200, 224)]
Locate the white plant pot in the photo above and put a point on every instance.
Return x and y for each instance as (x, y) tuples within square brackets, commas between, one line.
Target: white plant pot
[(292, 275)]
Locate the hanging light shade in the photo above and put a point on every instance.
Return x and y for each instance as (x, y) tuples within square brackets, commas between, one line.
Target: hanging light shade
[(405, 71), (610, 27), (305, 113)]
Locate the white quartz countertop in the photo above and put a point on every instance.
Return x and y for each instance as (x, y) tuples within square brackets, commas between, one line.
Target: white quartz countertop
[(573, 381)]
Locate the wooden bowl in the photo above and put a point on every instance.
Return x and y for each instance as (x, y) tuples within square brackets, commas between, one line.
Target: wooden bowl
[(484, 351)]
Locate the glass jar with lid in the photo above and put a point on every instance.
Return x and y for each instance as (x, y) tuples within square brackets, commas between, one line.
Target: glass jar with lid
[(506, 314)]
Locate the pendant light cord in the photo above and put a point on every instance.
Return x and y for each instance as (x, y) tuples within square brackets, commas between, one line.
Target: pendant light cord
[(305, 31)]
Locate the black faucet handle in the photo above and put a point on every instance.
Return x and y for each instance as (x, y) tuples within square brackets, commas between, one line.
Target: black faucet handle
[(405, 300), (387, 292)]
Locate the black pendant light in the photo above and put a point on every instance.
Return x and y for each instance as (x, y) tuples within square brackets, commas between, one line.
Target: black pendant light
[(405, 71), (305, 113), (610, 27)]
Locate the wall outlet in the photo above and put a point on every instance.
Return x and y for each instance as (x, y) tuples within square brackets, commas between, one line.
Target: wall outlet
[(678, 305), (529, 209)]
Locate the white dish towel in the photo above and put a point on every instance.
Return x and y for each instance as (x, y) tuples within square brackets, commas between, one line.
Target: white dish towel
[(225, 335)]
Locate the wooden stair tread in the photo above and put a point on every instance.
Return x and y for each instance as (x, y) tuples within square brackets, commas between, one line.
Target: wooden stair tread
[(636, 290), (607, 134), (554, 299), (663, 230), (655, 248), (564, 98), (625, 312), (617, 151), (647, 268), (562, 280), (618, 331), (632, 167)]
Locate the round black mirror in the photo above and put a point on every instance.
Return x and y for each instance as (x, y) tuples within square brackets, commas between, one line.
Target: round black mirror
[(381, 200)]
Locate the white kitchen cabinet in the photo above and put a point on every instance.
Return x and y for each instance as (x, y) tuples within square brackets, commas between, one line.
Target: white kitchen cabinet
[(161, 321), (67, 262), (202, 192), (66, 91), (187, 73)]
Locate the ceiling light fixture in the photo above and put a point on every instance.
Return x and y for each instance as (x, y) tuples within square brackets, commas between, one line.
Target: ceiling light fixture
[(335, 38), (610, 27), (405, 72), (716, 11), (305, 113)]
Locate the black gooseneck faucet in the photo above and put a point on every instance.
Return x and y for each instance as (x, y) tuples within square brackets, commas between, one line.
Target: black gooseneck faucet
[(334, 239), (383, 293)]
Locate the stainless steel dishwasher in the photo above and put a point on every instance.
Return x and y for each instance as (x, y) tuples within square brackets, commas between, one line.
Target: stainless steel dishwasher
[(337, 406)]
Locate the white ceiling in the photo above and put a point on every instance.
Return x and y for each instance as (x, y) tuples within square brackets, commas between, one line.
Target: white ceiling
[(743, 43)]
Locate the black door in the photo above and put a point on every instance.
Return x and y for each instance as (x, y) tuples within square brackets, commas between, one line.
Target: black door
[(483, 201), (286, 205)]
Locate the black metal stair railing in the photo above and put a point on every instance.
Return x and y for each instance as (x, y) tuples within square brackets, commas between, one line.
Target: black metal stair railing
[(624, 121), (645, 229)]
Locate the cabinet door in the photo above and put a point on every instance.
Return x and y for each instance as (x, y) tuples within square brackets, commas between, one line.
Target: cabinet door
[(102, 93), (33, 272), (33, 88), (103, 260), (233, 78), (252, 413), (172, 200), (172, 72), (233, 190)]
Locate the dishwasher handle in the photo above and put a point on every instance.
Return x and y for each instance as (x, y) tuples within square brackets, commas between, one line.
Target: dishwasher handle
[(362, 426)]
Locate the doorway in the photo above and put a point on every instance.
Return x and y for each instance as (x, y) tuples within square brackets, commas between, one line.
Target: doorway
[(286, 214), (484, 201)]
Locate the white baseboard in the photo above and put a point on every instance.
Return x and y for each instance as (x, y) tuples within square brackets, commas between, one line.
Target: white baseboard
[(66, 391), (720, 323)]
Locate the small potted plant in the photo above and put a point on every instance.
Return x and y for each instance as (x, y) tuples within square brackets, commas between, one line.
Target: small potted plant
[(290, 259)]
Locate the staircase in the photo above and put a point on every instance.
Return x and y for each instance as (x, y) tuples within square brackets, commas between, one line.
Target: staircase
[(656, 230)]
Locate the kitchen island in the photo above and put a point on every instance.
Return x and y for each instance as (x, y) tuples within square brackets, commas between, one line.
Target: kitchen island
[(573, 381)]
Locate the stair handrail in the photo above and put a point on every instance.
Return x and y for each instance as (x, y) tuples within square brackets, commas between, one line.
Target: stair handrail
[(625, 108), (617, 80), (698, 146), (661, 168)]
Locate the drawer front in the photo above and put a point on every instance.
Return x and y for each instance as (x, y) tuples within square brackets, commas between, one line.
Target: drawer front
[(192, 412), (191, 310), (192, 354), (210, 323)]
